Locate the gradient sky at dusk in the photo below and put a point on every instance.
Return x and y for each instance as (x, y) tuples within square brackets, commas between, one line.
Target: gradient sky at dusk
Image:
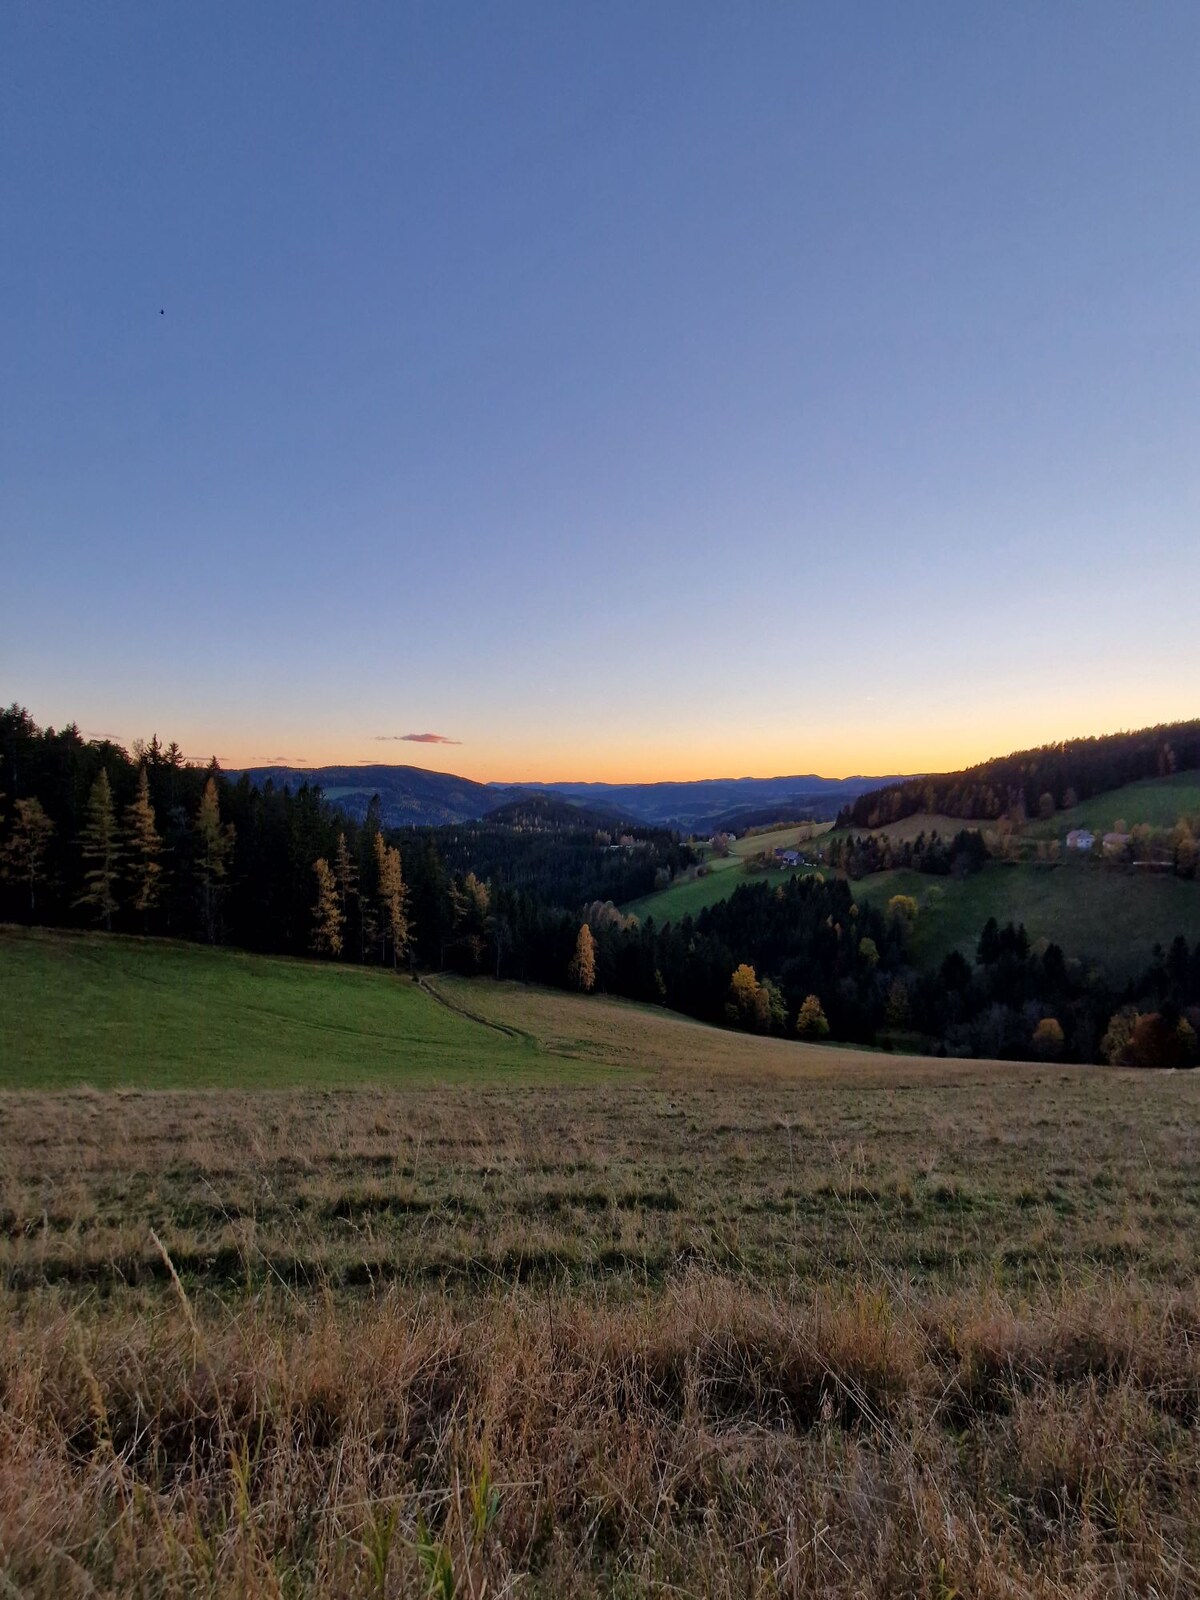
[(622, 391)]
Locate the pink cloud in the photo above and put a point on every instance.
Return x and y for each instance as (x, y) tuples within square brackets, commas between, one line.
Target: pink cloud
[(415, 738)]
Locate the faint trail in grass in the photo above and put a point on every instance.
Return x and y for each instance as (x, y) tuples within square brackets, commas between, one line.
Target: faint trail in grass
[(428, 988)]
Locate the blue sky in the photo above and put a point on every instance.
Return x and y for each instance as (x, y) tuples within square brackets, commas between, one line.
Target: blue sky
[(623, 391)]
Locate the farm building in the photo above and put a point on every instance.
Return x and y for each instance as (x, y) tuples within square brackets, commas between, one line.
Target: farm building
[(1080, 839)]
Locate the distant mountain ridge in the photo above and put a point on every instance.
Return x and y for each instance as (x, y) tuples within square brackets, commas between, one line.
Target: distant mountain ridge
[(417, 797)]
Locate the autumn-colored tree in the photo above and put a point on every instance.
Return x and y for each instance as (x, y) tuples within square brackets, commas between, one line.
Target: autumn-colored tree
[(1048, 1039), (143, 847), (23, 859), (392, 898), (869, 951), (896, 1006), (741, 1009), (811, 1021), (345, 875), (214, 850), (582, 972), (1157, 1041), (902, 908), (1114, 1047), (328, 918), (100, 844)]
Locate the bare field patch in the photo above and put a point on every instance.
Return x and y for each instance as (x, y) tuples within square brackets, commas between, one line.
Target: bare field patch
[(864, 1327)]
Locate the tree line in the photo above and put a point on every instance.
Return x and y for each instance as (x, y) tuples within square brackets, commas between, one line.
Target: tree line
[(1036, 782)]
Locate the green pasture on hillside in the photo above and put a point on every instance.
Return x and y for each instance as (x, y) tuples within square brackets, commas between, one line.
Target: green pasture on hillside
[(110, 1011), (1093, 910), (689, 896), (1159, 802)]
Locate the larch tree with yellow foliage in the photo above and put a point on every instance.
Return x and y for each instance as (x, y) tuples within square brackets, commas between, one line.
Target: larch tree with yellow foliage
[(328, 918), (583, 963), (392, 898)]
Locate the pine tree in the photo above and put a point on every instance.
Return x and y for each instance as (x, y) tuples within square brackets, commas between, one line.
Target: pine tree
[(101, 846), (328, 918), (393, 901), (143, 846), (214, 847), (346, 875), (583, 963), (23, 859)]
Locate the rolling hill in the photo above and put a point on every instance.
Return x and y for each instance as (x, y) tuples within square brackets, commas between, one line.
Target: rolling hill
[(417, 797)]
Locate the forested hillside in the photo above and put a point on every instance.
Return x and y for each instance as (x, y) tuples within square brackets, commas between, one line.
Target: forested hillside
[(1030, 783)]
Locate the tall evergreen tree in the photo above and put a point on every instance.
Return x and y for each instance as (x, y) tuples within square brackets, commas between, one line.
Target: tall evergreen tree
[(214, 848), (143, 847), (23, 859), (100, 843)]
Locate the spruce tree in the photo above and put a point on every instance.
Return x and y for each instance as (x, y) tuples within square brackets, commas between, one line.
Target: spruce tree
[(101, 845)]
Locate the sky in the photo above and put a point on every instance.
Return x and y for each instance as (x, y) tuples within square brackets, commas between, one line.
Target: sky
[(619, 391)]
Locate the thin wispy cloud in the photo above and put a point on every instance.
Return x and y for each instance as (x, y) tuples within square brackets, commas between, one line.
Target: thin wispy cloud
[(414, 738)]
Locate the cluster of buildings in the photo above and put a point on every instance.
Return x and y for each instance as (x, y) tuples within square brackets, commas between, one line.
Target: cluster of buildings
[(1084, 840)]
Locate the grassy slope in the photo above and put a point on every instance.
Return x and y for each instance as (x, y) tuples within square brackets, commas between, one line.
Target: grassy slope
[(689, 896), (1107, 914), (1158, 801), (79, 1008), (112, 1013)]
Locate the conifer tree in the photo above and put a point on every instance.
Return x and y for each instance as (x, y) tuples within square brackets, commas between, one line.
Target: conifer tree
[(101, 845), (345, 874), (214, 847), (23, 859), (143, 847), (393, 901), (583, 962), (328, 919)]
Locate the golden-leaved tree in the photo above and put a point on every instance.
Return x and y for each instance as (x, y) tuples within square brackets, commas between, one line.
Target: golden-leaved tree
[(583, 963), (811, 1021), (393, 901), (328, 917)]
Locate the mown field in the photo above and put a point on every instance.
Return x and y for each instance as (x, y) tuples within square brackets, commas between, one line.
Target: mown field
[(668, 1311)]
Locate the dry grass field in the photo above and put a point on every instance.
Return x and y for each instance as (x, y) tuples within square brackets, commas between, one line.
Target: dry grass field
[(743, 1319)]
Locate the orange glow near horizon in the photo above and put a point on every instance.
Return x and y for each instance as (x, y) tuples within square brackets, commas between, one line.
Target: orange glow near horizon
[(857, 744)]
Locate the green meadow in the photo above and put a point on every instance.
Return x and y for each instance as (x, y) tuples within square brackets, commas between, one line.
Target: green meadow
[(112, 1011), (1099, 912)]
